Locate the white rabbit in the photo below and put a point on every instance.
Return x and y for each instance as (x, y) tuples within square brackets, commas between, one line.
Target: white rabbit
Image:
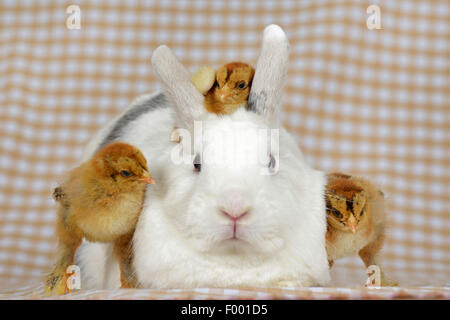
[(211, 222)]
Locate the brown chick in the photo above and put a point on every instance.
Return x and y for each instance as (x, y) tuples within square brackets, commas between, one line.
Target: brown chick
[(355, 220), (100, 201), (224, 91), (231, 88)]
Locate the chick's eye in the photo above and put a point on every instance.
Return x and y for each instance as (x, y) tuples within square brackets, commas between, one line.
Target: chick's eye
[(242, 85), (337, 214), (197, 163), (126, 173)]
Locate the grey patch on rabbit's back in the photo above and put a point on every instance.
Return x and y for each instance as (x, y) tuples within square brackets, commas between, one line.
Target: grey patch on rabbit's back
[(157, 102), (257, 102)]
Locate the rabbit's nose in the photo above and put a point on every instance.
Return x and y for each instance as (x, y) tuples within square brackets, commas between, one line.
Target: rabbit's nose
[(234, 217), (234, 204)]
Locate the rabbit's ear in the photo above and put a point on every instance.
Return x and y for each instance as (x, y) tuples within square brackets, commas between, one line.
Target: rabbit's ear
[(188, 101), (270, 75)]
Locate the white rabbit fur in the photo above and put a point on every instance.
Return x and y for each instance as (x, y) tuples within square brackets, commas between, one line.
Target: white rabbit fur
[(181, 236)]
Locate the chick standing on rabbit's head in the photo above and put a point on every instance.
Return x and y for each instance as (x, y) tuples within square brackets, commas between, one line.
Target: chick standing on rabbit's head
[(232, 88)]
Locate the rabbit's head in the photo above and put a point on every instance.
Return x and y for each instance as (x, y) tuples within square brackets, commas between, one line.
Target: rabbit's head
[(237, 184)]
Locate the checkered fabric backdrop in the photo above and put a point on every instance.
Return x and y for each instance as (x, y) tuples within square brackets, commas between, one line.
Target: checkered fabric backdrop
[(370, 102)]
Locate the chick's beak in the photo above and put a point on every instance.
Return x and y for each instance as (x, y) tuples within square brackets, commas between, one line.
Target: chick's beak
[(352, 224), (225, 92), (223, 96), (147, 178)]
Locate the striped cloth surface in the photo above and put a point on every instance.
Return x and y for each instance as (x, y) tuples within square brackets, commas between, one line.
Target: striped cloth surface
[(373, 102)]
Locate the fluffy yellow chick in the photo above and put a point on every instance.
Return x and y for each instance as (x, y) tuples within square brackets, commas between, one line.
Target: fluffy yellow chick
[(100, 201), (355, 220)]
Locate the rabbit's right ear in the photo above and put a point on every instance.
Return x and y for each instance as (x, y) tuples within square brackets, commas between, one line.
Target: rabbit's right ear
[(270, 74), (188, 101)]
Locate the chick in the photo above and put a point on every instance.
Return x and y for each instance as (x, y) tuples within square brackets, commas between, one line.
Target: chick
[(355, 220), (228, 89), (100, 201), (204, 78), (224, 91)]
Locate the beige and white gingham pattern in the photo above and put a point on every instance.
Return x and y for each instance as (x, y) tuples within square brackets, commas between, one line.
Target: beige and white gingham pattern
[(37, 292), (370, 102)]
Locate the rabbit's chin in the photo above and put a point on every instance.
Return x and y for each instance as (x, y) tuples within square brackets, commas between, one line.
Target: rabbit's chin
[(242, 242)]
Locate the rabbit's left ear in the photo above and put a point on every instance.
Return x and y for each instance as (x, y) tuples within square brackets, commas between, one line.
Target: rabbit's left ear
[(188, 101), (270, 75)]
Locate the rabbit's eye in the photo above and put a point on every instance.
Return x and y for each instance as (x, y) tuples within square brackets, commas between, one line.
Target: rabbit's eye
[(272, 162), (241, 85), (197, 163)]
